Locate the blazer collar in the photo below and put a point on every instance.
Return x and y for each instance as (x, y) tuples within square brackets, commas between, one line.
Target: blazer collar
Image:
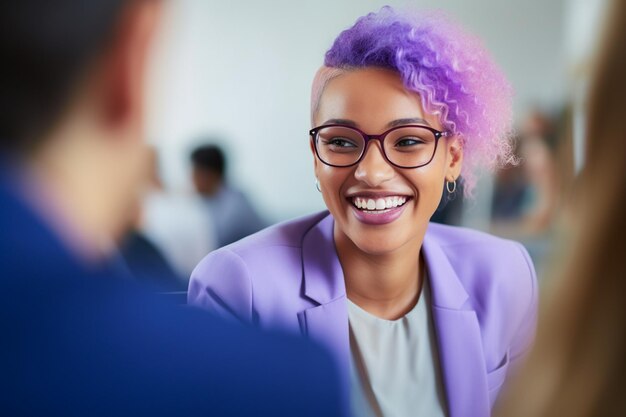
[(326, 323), (458, 335), (323, 275), (446, 288)]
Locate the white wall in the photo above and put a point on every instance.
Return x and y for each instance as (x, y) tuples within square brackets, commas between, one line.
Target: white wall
[(583, 33), (242, 70)]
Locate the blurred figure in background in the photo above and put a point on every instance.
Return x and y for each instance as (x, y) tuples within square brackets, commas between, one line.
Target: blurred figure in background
[(78, 336), (509, 197), (578, 367), (526, 196), (141, 255), (176, 222), (232, 215), (536, 150)]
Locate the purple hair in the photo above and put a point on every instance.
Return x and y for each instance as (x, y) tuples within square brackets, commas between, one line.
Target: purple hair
[(450, 69)]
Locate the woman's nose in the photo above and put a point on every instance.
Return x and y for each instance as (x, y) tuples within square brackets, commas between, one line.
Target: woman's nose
[(374, 169)]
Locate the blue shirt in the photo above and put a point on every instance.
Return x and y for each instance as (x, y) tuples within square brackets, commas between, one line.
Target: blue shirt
[(78, 339)]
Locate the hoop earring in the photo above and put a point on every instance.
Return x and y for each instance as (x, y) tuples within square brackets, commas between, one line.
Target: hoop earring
[(317, 185), (451, 189)]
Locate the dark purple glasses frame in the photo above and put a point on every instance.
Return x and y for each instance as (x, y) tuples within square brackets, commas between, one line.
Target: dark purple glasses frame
[(367, 138)]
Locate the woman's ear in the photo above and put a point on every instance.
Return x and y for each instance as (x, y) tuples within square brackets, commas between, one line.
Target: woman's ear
[(454, 160)]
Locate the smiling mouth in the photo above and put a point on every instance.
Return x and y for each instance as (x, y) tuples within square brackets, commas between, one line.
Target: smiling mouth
[(378, 205)]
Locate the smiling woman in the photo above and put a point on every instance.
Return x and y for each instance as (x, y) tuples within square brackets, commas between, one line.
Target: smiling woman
[(424, 319), (402, 164)]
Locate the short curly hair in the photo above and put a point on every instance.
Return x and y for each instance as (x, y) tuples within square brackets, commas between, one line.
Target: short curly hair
[(449, 68)]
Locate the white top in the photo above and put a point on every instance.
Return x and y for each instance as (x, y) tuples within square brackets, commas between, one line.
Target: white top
[(395, 365)]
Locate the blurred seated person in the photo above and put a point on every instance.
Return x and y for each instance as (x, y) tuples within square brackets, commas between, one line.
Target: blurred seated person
[(147, 263), (526, 196), (176, 221), (79, 337), (232, 214), (140, 254)]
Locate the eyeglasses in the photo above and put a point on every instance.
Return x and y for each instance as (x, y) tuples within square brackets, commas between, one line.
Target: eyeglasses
[(408, 146)]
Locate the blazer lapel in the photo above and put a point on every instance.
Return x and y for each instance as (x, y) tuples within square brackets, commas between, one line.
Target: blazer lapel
[(458, 336), (326, 323)]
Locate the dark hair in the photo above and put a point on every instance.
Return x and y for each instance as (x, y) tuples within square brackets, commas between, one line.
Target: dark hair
[(210, 158), (45, 48)]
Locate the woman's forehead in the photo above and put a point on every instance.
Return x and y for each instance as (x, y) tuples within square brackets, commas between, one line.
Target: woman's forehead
[(371, 98)]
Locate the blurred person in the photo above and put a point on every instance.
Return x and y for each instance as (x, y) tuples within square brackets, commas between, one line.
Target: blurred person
[(176, 222), (147, 263), (526, 197), (231, 213), (577, 368), (540, 172), (425, 319), (79, 337), (509, 197), (140, 254)]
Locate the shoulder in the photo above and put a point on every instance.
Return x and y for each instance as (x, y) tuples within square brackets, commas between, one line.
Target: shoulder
[(455, 235), (491, 269), (259, 267), (501, 284), (477, 248), (289, 233), (276, 240), (172, 347), (239, 360)]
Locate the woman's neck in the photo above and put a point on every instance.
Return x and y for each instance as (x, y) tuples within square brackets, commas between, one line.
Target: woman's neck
[(386, 285)]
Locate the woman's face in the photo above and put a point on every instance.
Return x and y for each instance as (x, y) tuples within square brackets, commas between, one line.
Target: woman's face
[(373, 100)]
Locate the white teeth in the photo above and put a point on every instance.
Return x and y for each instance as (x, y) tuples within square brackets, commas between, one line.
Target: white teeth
[(378, 204)]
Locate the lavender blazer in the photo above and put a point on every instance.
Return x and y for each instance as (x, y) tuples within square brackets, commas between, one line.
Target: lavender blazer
[(484, 298)]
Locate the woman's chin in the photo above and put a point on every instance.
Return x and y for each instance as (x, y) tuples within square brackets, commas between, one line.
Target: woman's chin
[(377, 244)]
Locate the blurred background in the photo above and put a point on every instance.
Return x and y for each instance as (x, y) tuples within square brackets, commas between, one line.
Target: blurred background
[(237, 74)]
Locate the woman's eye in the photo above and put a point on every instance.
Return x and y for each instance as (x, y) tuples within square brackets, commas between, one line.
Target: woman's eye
[(340, 143), (409, 141)]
